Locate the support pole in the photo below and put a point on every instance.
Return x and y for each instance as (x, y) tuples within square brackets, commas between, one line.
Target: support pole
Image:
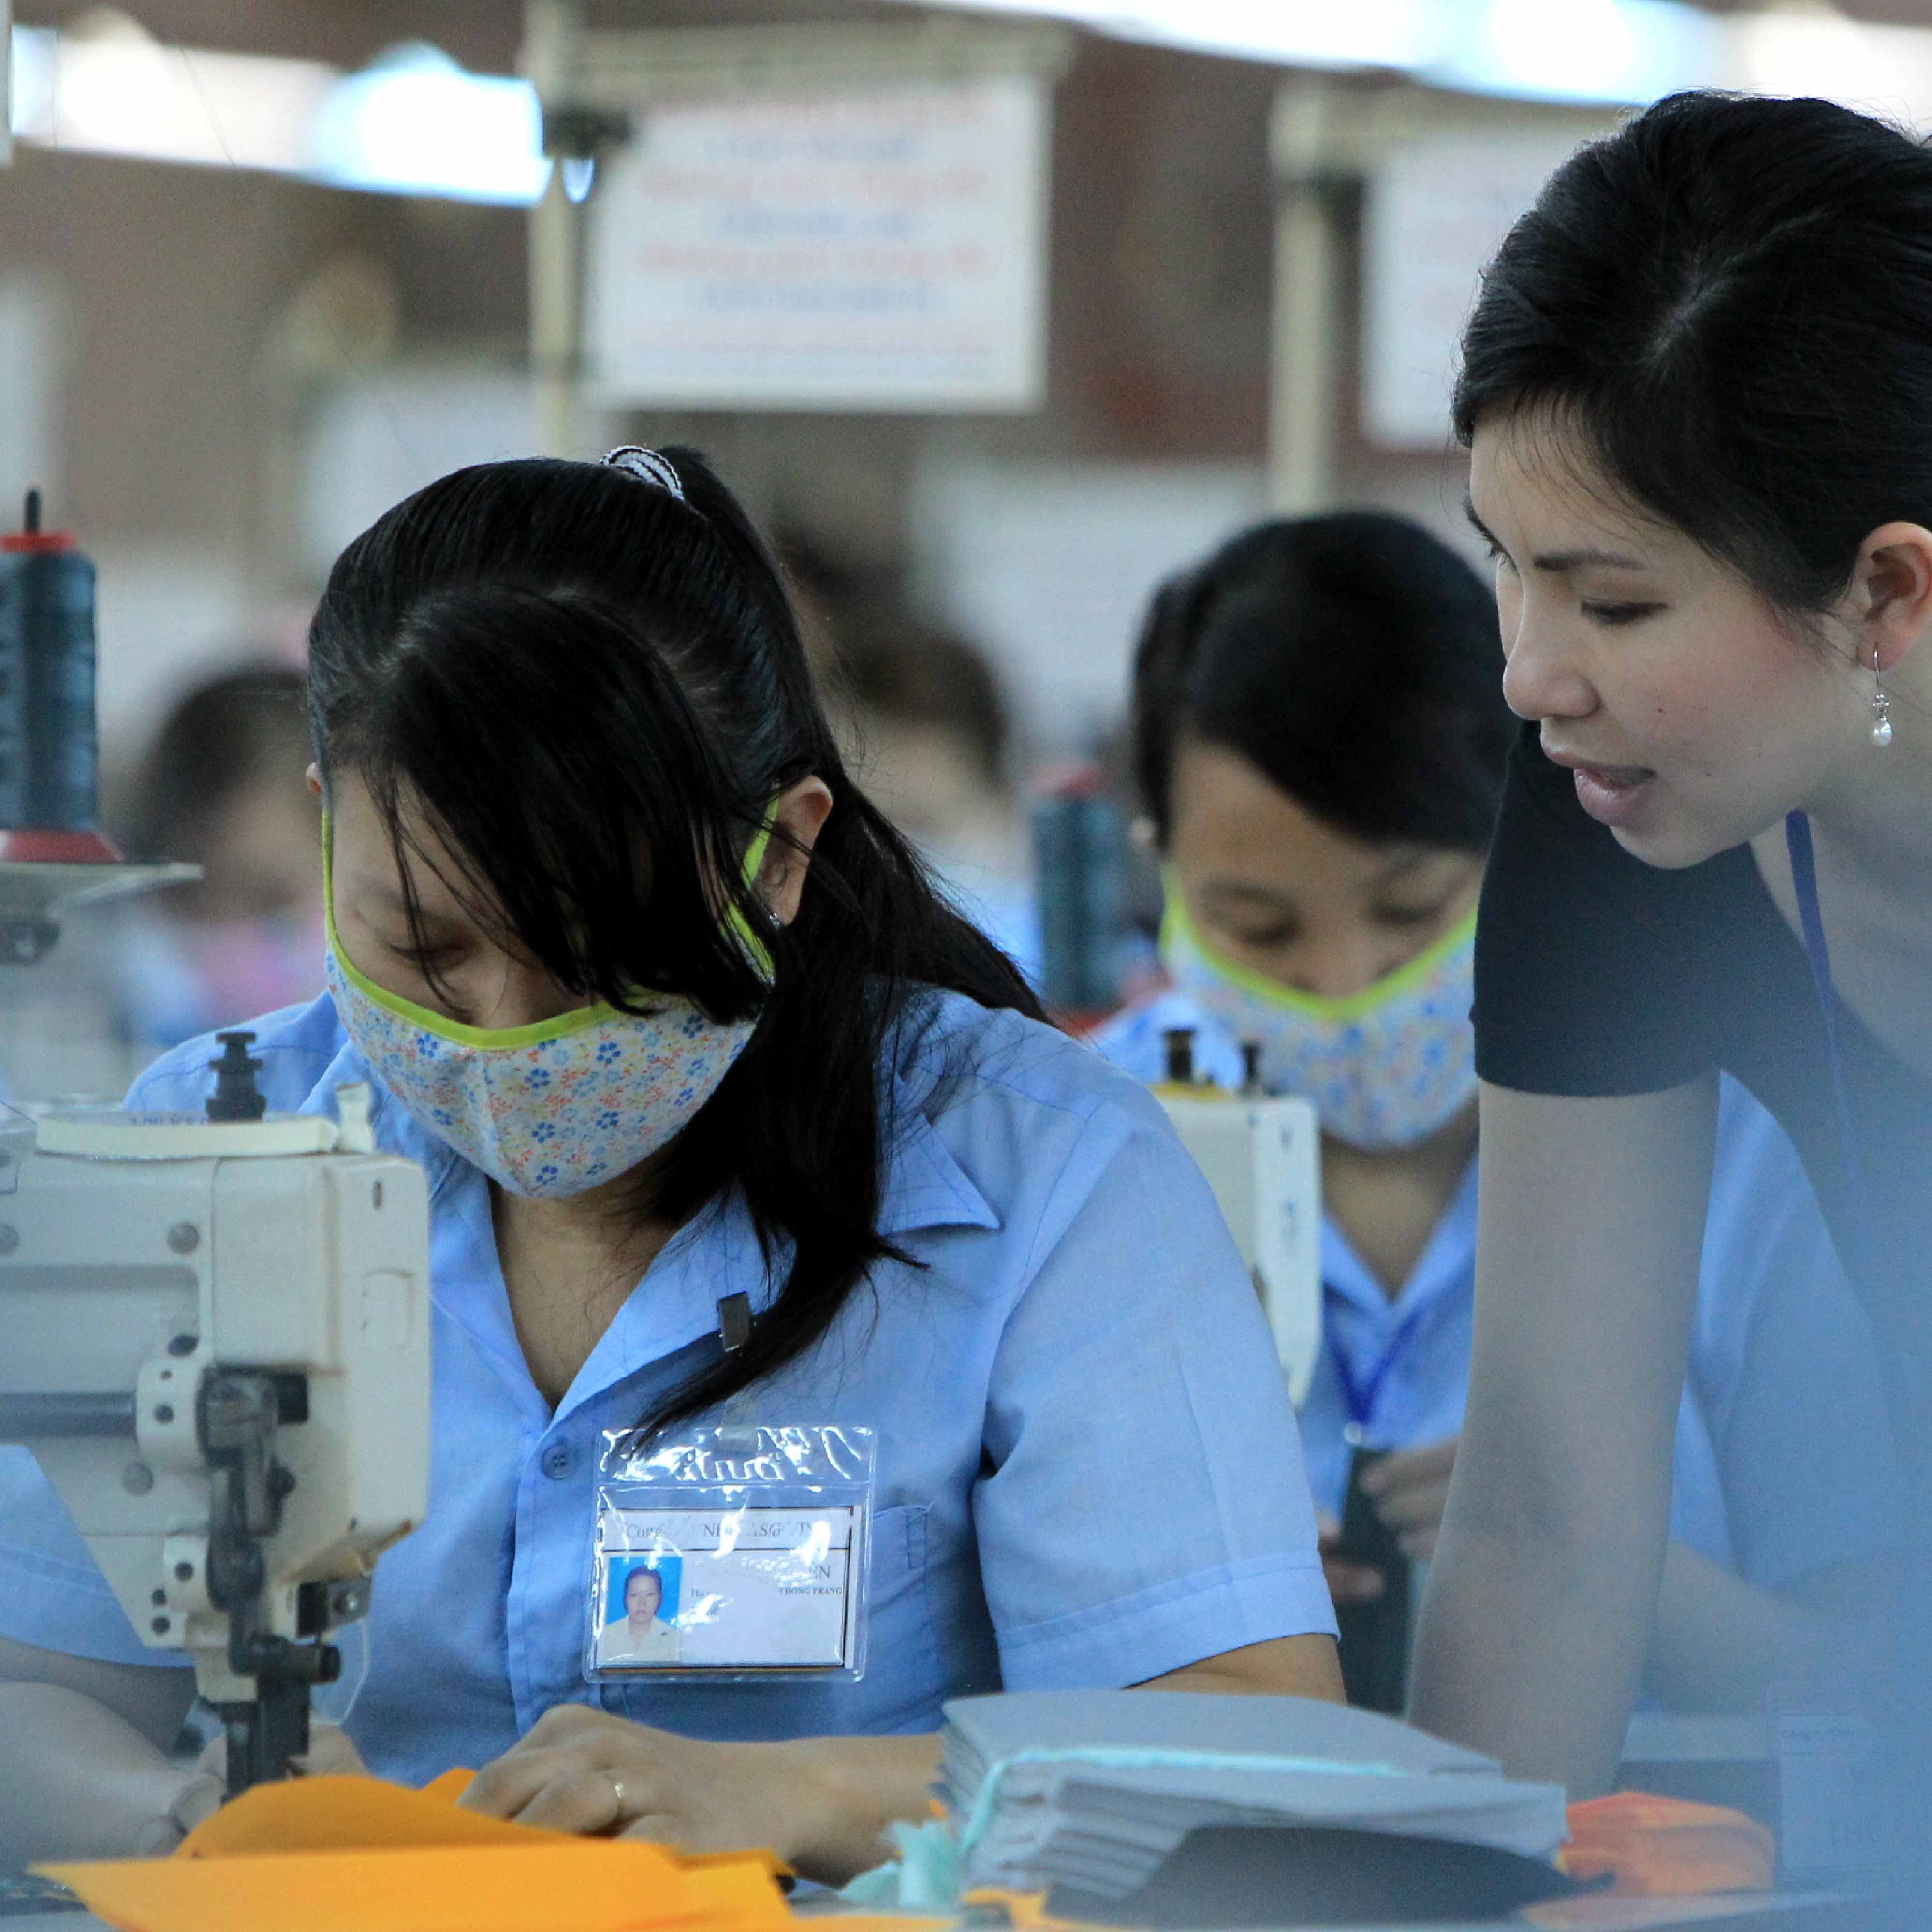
[(1304, 354), (552, 44)]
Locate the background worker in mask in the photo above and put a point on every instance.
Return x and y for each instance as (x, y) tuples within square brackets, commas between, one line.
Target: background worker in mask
[(1320, 738), (220, 787)]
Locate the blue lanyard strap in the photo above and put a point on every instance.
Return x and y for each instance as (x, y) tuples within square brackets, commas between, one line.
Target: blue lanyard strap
[(1359, 1396), (1804, 883)]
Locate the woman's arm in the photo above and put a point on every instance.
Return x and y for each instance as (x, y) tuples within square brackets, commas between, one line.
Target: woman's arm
[(823, 1804), (1590, 1221), (1285, 1666), (1720, 1644), (83, 1757)]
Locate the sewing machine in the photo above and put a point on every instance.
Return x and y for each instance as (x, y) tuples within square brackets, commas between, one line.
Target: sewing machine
[(1262, 1157), (217, 1349)]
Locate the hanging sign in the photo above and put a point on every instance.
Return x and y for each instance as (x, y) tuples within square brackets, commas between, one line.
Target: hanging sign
[(879, 248)]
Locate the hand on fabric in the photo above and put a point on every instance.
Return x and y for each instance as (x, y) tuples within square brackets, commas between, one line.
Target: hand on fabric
[(198, 1795), (1348, 1581), (330, 1755), (820, 1804), (1409, 1487)]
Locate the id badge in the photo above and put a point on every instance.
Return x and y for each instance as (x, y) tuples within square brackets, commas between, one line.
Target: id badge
[(732, 1552)]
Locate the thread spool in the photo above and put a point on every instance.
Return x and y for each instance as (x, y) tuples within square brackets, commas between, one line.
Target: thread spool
[(50, 762)]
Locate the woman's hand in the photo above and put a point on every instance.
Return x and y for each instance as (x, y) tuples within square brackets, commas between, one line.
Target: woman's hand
[(821, 1803), (194, 1795), (330, 1754), (1409, 1488), (1349, 1582)]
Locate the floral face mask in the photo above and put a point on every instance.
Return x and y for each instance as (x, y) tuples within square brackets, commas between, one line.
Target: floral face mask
[(1385, 1067), (552, 1109)]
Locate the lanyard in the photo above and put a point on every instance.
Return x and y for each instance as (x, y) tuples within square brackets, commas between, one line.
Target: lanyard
[(1359, 1396), (1804, 883)]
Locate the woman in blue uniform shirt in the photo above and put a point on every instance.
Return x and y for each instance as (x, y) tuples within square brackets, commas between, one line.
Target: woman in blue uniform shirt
[(1320, 740), (569, 750)]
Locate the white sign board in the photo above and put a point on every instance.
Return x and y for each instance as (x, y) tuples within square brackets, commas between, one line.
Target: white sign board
[(882, 249), (1437, 209), (1048, 567)]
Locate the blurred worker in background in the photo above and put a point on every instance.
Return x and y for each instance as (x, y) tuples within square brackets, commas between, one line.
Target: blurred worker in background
[(1320, 739), (928, 727), (221, 786)]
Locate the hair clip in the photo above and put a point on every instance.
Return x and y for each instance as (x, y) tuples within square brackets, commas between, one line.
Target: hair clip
[(648, 465)]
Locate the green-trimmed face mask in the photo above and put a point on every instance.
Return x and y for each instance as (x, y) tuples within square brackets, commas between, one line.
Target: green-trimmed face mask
[(555, 1108), (1385, 1067)]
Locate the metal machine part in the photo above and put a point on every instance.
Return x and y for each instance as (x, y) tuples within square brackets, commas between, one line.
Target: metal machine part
[(1262, 1156), (219, 1353)]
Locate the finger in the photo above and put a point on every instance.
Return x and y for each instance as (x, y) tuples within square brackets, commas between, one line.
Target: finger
[(564, 1724), (660, 1828), (1417, 1545), (502, 1789), (1414, 1506), (582, 1801), (200, 1798), (157, 1838), (1327, 1528), (1402, 1466), (330, 1754), (1353, 1582)]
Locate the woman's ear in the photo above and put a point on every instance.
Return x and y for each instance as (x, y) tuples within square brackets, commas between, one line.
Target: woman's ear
[(314, 775), (798, 814), (1892, 583)]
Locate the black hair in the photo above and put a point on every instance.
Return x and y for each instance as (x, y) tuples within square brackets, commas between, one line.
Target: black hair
[(1729, 302), (592, 690), (1352, 659), (898, 669), (228, 733)]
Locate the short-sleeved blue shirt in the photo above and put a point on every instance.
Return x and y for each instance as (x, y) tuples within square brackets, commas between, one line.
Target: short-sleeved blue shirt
[(1081, 1424), (1784, 1462)]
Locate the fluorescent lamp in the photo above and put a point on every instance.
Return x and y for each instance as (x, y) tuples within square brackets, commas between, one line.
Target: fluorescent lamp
[(414, 123)]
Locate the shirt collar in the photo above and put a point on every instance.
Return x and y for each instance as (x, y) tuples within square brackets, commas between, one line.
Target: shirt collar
[(717, 1252)]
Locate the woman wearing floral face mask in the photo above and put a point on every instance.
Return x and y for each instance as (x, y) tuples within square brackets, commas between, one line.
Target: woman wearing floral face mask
[(1320, 740), (676, 1025)]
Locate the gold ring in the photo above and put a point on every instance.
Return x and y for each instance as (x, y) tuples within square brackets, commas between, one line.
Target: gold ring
[(617, 1786)]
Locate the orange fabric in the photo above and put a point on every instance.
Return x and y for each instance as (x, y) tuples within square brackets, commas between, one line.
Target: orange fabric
[(1667, 1846), (345, 1814), (319, 1854)]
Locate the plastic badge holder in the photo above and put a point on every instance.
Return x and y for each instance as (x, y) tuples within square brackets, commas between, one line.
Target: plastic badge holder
[(732, 1554)]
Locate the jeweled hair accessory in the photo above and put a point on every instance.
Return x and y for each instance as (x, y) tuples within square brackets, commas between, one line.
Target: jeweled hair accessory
[(648, 465)]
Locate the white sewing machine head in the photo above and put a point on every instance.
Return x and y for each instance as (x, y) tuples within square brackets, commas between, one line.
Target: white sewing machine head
[(217, 1349)]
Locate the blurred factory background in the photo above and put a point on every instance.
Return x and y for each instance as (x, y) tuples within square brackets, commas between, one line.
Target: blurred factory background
[(995, 317)]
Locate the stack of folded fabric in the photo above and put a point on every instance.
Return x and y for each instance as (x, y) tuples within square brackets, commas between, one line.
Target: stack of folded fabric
[(1091, 1791)]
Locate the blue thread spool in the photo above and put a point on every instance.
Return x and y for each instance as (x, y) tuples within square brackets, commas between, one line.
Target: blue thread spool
[(49, 763), (1079, 853)]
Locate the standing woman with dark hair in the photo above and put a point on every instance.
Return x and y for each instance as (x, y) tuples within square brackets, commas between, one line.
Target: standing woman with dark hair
[(721, 1105), (1697, 393), (1320, 743)]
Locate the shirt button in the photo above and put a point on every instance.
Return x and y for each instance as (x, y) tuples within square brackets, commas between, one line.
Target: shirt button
[(559, 1461)]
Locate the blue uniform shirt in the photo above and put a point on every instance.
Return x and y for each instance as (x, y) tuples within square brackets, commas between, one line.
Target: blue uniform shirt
[(1784, 1461), (1080, 1423)]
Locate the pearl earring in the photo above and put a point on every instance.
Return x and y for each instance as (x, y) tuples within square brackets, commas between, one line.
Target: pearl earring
[(1881, 705)]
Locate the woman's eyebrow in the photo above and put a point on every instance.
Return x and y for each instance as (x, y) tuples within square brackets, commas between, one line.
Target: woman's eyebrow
[(1231, 889), (1557, 561), (1401, 864)]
